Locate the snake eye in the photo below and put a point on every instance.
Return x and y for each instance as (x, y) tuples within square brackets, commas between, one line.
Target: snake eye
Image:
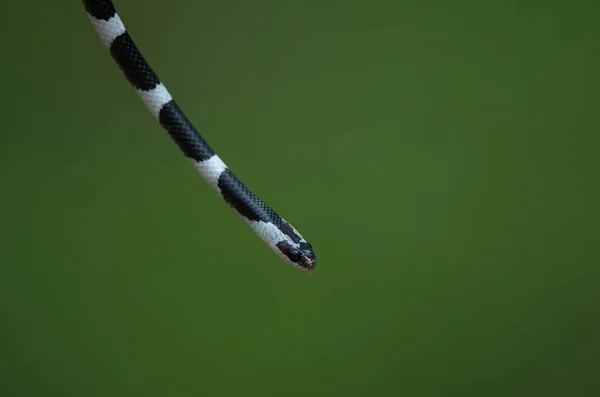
[(295, 255)]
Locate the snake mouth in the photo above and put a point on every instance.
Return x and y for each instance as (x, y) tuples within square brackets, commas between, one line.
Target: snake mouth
[(308, 262)]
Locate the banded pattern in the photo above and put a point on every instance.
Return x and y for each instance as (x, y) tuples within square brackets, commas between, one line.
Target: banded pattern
[(268, 225)]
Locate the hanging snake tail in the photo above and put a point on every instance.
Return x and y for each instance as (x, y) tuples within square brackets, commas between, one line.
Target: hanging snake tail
[(279, 235)]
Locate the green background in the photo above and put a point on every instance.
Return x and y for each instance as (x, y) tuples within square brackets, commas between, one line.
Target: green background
[(441, 157)]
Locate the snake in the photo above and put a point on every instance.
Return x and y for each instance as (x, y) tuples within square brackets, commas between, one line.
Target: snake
[(278, 234)]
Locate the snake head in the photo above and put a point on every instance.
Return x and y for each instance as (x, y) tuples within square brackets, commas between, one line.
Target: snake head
[(300, 255)]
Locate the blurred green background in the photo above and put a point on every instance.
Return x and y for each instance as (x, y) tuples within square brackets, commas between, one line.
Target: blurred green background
[(441, 157)]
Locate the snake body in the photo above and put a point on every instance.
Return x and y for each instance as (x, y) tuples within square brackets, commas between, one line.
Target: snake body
[(278, 234)]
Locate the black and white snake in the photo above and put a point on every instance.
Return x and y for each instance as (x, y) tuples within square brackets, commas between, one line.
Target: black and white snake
[(268, 225)]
